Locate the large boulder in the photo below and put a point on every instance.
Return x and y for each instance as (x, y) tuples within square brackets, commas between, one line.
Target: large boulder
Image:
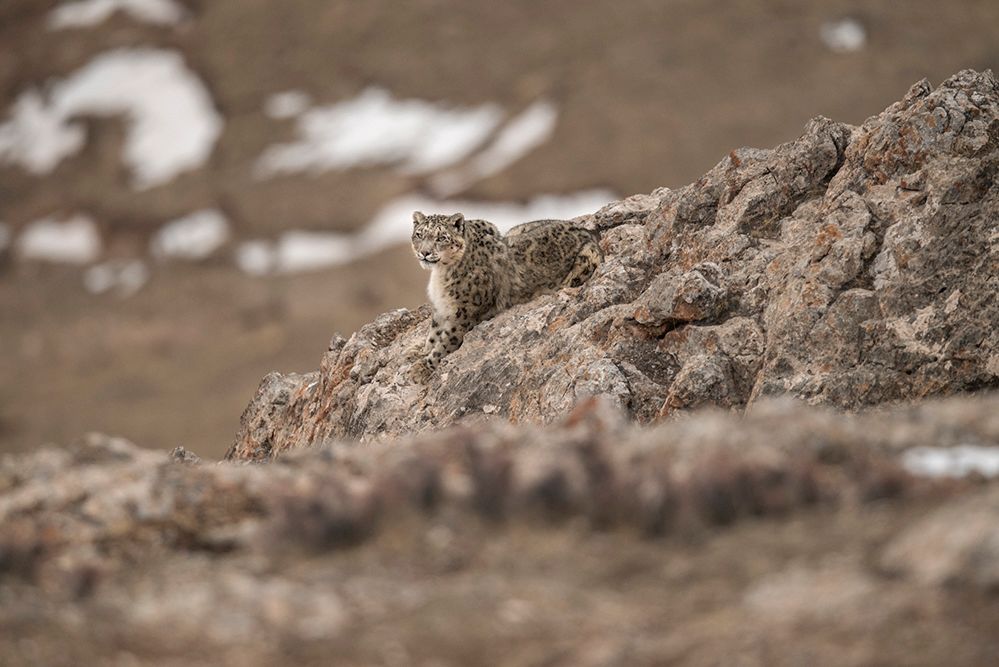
[(850, 267)]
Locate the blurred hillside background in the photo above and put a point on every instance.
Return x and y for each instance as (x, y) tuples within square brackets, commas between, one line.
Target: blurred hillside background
[(194, 193)]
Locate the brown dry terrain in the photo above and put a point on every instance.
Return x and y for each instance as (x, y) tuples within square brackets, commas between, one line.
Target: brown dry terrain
[(649, 94)]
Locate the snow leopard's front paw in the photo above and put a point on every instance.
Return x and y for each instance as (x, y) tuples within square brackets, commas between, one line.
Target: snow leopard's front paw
[(421, 371)]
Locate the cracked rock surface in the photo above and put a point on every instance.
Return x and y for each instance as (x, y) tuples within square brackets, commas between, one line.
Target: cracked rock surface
[(850, 267)]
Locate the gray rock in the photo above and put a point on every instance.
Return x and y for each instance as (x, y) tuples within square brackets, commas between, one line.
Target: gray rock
[(852, 266)]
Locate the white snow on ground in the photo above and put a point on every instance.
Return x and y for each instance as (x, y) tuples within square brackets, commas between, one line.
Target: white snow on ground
[(952, 461), (172, 123), (74, 240), (192, 237), (296, 251), (287, 104), (374, 128), (392, 225), (256, 257), (126, 277), (37, 136), (88, 13), (531, 128), (843, 36)]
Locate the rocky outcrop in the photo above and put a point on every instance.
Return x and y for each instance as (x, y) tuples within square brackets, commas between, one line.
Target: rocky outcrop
[(592, 541), (850, 267)]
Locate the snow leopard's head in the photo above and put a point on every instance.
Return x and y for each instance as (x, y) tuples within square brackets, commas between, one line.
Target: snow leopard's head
[(438, 239)]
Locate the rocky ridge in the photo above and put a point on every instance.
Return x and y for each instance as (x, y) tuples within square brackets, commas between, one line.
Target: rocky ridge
[(853, 266), (592, 541)]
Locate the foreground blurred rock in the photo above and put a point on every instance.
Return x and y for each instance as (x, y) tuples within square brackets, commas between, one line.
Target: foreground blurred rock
[(790, 535), (853, 266)]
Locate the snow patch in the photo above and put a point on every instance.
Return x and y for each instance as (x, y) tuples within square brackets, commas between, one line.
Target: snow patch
[(531, 128), (289, 104), (37, 136), (376, 129), (305, 251), (843, 36), (295, 252), (125, 277), (87, 13), (74, 240), (392, 225), (958, 461), (192, 237), (172, 123), (258, 258)]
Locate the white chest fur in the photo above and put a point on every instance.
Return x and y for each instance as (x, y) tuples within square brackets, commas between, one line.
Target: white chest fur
[(438, 296)]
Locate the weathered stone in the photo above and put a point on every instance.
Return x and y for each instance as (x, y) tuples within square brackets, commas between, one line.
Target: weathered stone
[(633, 210), (705, 379), (852, 266), (698, 294)]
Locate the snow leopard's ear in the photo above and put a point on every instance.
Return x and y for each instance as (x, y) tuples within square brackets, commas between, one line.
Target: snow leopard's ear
[(418, 218), (457, 222)]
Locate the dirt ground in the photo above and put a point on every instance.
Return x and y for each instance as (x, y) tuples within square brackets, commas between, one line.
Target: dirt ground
[(648, 93)]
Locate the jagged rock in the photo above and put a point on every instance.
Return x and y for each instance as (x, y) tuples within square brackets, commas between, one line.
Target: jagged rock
[(852, 266), (696, 295)]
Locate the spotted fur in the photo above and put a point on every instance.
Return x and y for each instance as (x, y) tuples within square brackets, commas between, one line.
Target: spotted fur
[(476, 272)]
